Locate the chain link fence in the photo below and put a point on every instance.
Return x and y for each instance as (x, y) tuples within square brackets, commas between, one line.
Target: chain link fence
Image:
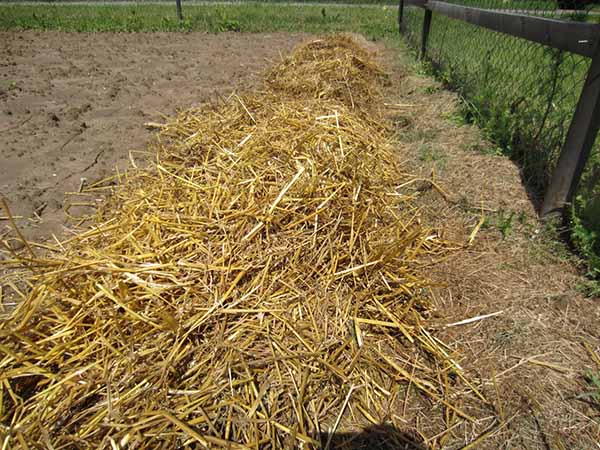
[(522, 93)]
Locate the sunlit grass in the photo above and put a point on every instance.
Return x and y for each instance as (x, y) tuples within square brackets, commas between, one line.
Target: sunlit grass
[(374, 22)]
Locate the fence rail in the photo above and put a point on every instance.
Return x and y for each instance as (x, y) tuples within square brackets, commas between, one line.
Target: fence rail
[(563, 35)]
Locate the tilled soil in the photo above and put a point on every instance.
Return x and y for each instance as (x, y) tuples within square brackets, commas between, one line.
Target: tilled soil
[(73, 105)]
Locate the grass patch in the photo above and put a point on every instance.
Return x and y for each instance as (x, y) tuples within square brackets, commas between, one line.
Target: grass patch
[(187, 3), (504, 221), (522, 95), (592, 394), (373, 22), (432, 153)]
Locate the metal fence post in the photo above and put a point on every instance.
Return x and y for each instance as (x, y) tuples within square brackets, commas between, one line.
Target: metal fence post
[(578, 143), (425, 32), (179, 13), (400, 16)]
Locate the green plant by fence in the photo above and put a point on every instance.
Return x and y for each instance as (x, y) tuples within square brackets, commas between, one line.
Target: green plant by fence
[(523, 93)]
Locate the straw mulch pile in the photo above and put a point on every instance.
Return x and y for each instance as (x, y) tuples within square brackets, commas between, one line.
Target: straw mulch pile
[(259, 285)]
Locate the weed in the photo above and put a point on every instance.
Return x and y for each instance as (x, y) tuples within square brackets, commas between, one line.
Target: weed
[(488, 149), (586, 241), (505, 223), (507, 266), (431, 89), (456, 117), (431, 153), (589, 288), (592, 395), (550, 240), (486, 224), (230, 25)]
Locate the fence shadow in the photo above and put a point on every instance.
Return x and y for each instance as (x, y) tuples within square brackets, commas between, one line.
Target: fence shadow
[(378, 437)]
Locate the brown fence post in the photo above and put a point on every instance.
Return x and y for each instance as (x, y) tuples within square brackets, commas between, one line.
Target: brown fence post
[(425, 32), (400, 16), (179, 13), (578, 143)]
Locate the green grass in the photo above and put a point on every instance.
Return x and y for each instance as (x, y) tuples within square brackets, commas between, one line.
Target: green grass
[(373, 22), (523, 96), (544, 6), (187, 3), (592, 394)]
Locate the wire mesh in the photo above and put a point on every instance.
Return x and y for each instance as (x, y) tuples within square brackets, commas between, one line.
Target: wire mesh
[(522, 93)]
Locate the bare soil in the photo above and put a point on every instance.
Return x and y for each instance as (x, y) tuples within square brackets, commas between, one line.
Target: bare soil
[(72, 106)]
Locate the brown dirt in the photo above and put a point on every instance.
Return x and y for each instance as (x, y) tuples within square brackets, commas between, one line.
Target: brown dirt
[(534, 349), (72, 105)]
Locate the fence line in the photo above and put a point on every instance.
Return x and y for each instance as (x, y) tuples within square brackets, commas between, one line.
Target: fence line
[(562, 35)]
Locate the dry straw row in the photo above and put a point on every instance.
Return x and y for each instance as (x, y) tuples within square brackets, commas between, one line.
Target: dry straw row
[(258, 285)]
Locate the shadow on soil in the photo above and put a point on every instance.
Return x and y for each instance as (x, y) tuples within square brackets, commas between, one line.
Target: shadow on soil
[(379, 437)]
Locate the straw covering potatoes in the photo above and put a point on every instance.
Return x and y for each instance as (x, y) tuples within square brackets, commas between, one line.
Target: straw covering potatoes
[(258, 285)]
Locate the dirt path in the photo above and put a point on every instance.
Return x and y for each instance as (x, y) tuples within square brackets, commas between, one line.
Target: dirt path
[(72, 106)]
